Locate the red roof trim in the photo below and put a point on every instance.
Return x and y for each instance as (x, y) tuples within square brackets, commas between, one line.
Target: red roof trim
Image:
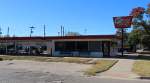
[(61, 37)]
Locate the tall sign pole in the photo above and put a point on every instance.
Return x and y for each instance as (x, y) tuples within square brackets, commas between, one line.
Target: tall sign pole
[(122, 46), (122, 22)]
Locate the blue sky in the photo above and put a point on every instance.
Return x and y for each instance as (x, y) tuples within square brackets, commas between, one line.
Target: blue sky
[(74, 15)]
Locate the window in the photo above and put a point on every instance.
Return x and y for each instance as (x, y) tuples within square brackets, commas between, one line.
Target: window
[(95, 46), (82, 46), (78, 46), (59, 46)]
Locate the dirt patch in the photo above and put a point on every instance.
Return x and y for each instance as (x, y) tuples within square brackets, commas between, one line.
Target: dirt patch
[(60, 68)]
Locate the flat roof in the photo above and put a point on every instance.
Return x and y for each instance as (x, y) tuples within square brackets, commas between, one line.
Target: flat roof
[(60, 37)]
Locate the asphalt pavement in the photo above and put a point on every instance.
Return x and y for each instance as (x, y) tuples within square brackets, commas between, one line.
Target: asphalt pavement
[(25, 76)]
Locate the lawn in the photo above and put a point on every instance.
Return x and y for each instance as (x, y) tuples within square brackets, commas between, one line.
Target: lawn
[(100, 66), (142, 68)]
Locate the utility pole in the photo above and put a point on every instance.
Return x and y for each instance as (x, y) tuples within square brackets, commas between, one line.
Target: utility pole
[(44, 31), (0, 32), (31, 30), (58, 33), (63, 31), (8, 32), (85, 31)]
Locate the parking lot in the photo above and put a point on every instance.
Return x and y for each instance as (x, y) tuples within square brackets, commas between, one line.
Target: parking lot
[(20, 71), (38, 72)]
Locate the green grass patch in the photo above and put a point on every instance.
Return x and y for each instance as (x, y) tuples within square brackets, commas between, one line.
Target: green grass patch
[(100, 66), (142, 68)]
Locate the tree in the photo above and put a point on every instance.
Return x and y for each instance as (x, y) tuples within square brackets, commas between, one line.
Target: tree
[(72, 34), (141, 18), (141, 26), (135, 37), (146, 41)]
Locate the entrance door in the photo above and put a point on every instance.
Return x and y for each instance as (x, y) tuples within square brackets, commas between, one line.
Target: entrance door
[(106, 48)]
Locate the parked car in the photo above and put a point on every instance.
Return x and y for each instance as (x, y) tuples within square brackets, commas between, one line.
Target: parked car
[(143, 51), (44, 52), (22, 52)]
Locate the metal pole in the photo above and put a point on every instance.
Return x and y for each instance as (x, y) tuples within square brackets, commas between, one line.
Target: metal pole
[(8, 32), (122, 48), (0, 32), (30, 32), (44, 31), (61, 31)]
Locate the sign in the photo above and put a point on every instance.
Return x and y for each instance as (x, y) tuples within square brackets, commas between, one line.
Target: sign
[(122, 22)]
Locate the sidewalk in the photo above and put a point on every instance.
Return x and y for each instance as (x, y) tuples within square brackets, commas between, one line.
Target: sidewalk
[(122, 69)]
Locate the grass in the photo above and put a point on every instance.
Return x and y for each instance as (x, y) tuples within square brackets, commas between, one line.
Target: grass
[(36, 58), (47, 59), (70, 60), (100, 66), (142, 68), (76, 60)]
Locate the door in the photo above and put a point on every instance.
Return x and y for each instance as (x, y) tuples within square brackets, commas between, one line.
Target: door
[(106, 48)]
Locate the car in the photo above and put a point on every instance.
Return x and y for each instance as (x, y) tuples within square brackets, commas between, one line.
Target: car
[(143, 51), (44, 52), (22, 52)]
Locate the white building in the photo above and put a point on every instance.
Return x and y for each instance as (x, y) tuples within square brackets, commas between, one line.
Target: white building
[(84, 46)]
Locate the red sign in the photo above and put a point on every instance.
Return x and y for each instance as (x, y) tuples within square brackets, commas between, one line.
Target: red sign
[(122, 22)]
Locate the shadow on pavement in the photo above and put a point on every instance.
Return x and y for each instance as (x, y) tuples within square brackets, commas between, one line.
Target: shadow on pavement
[(134, 56)]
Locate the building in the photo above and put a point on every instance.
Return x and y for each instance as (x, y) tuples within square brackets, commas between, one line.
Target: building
[(77, 46)]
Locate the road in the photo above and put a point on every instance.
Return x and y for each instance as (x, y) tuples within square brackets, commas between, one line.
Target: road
[(24, 76)]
